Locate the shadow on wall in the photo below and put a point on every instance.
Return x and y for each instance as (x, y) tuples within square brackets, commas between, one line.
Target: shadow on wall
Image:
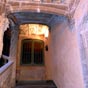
[(3, 61)]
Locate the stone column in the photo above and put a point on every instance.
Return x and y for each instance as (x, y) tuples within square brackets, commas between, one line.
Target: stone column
[(13, 49)]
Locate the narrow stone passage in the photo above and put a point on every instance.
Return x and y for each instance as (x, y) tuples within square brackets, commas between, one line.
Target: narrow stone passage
[(36, 84)]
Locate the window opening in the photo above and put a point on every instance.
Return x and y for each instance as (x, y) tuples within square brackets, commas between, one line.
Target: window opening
[(32, 52)]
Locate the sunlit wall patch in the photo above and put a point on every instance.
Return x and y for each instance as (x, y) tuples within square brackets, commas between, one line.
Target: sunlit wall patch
[(34, 29)]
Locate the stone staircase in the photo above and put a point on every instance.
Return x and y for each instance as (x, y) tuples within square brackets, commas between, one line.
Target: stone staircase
[(36, 84)]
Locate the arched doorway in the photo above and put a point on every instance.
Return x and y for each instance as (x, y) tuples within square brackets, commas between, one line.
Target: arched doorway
[(31, 52)]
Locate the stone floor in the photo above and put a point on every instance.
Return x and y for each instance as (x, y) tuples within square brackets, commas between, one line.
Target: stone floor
[(36, 84)]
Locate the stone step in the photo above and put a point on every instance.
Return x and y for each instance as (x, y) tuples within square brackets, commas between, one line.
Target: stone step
[(36, 84)]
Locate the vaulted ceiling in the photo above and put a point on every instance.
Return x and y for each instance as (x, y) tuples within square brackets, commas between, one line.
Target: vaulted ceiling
[(31, 17)]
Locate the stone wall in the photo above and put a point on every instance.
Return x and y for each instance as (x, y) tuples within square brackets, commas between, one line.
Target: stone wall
[(5, 75)]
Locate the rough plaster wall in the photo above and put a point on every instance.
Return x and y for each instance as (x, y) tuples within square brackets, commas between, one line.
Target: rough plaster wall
[(84, 61), (48, 62), (65, 59), (80, 18), (83, 43), (80, 12)]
